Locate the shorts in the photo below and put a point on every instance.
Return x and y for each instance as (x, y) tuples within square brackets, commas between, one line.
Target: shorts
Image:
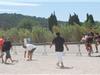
[(31, 51), (1, 53), (59, 56), (8, 54)]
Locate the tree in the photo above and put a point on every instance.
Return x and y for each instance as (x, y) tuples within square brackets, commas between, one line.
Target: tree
[(27, 24), (89, 20), (74, 19), (52, 20)]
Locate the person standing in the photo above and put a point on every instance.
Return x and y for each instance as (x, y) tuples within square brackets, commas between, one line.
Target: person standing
[(1, 45), (59, 42), (88, 44), (6, 48), (97, 41)]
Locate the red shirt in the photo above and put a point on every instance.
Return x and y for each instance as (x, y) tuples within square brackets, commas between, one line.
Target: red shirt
[(1, 42)]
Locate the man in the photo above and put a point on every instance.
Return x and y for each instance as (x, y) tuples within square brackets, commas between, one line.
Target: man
[(59, 42), (29, 49), (88, 44), (97, 41), (6, 48), (1, 45)]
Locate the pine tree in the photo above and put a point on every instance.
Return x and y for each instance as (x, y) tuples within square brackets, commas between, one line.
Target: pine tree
[(89, 20), (74, 19), (52, 20)]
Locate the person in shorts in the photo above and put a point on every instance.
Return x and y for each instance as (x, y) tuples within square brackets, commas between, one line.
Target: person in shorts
[(6, 48), (59, 42), (29, 49)]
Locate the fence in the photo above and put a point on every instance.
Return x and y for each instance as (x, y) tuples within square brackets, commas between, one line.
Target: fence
[(75, 48)]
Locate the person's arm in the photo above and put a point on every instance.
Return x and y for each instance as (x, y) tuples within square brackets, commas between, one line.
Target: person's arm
[(11, 47), (66, 46), (51, 45)]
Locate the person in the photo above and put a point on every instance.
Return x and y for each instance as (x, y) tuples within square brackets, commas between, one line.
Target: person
[(29, 49), (83, 39), (97, 41), (1, 45), (6, 48), (88, 43), (59, 42)]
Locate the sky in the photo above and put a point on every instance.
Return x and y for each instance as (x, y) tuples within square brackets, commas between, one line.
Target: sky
[(44, 8)]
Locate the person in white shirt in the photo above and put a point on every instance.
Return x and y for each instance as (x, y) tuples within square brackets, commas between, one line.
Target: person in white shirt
[(29, 49)]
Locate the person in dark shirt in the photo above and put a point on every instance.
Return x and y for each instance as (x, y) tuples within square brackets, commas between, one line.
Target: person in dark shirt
[(59, 42), (6, 48)]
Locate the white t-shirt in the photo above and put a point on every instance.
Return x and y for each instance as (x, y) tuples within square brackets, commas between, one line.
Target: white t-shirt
[(30, 47), (84, 38), (25, 41)]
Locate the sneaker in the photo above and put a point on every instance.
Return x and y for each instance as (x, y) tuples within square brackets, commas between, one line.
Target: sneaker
[(96, 52), (61, 66), (58, 64)]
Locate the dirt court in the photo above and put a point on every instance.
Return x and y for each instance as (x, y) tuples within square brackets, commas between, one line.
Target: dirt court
[(44, 62)]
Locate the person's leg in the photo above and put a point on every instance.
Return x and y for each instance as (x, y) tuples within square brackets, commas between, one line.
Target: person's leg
[(8, 55), (60, 61), (62, 65), (28, 55), (31, 53), (87, 47), (2, 54), (96, 46), (57, 54), (30, 58), (90, 50), (25, 54)]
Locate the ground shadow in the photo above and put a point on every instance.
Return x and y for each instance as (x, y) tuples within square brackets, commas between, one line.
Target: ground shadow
[(9, 63), (65, 67), (96, 56), (32, 60), (15, 61)]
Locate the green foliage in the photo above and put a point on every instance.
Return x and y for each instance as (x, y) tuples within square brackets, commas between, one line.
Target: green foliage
[(74, 19), (71, 33), (40, 34), (2, 32), (39, 31), (11, 32), (52, 20), (90, 18), (27, 24)]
